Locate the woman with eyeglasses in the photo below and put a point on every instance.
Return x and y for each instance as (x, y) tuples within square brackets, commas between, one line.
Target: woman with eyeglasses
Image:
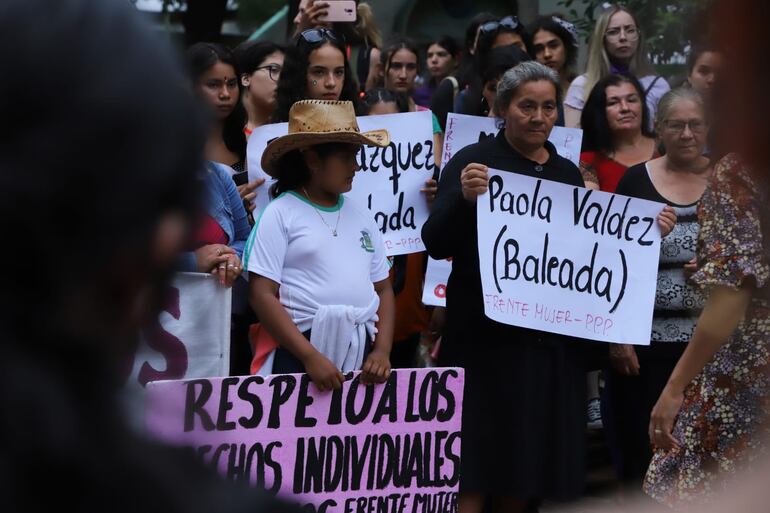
[(639, 374), (260, 64), (553, 42), (615, 133), (315, 68), (617, 47)]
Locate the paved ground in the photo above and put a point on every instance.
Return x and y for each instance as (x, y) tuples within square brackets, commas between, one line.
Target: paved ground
[(601, 484)]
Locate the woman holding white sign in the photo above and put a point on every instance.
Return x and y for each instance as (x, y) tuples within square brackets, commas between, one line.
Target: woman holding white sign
[(524, 408), (319, 274), (639, 374)]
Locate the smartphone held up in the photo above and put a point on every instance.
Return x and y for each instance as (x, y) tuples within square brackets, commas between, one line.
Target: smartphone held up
[(340, 11)]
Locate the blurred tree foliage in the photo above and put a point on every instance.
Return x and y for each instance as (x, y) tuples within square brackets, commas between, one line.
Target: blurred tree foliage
[(669, 26), (258, 11)]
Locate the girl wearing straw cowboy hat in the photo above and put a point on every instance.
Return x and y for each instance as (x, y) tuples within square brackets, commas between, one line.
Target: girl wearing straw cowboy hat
[(319, 274)]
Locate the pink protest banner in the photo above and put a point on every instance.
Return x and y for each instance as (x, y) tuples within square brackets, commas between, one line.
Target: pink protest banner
[(390, 448)]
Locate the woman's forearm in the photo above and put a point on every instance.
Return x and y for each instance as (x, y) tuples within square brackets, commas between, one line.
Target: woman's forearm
[(386, 313), (724, 310), (276, 320)]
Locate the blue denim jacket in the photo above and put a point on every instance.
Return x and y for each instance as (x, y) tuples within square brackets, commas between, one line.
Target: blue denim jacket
[(225, 206)]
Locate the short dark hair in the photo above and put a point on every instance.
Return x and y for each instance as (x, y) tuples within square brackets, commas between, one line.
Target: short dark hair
[(292, 86), (696, 52), (382, 95), (448, 43), (250, 55), (550, 24), (596, 128), (200, 58)]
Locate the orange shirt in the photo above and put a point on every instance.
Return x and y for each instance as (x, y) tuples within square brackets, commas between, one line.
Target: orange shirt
[(411, 315)]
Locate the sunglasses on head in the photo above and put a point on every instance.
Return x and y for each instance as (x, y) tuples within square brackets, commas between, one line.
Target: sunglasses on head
[(312, 38), (509, 22)]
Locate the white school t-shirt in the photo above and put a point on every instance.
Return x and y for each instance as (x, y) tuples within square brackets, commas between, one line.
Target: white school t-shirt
[(291, 246)]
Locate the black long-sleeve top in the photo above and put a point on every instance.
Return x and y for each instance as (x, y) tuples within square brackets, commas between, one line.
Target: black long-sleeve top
[(451, 227)]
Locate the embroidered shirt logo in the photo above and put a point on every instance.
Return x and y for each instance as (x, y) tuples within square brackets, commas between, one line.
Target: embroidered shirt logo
[(366, 242)]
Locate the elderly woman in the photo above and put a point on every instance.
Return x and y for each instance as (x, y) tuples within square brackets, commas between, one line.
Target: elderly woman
[(536, 449)]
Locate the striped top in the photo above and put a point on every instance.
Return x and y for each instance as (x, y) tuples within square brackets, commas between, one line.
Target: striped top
[(677, 303)]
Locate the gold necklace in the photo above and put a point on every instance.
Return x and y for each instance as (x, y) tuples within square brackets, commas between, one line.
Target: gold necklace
[(339, 213)]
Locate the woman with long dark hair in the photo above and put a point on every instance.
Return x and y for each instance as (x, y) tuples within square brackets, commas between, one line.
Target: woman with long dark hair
[(615, 133), (442, 57), (259, 64), (215, 76), (315, 68), (219, 241), (553, 42)]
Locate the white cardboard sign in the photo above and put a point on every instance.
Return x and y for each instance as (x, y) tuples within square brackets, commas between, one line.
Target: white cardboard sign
[(568, 260), (389, 181), (436, 276), (463, 130)]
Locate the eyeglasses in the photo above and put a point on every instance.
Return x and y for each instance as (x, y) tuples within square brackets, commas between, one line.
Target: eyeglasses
[(273, 70), (312, 38), (631, 32), (697, 126), (509, 22)]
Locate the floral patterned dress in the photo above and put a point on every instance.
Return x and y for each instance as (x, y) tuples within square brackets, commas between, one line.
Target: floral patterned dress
[(723, 419)]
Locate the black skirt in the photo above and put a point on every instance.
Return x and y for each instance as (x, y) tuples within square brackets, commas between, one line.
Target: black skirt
[(524, 410)]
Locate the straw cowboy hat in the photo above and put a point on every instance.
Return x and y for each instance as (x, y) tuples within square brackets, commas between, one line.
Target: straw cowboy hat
[(314, 122)]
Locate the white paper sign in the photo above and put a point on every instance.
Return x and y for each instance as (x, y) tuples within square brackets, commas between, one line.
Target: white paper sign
[(463, 130), (258, 141), (191, 339), (436, 276), (568, 260), (389, 180)]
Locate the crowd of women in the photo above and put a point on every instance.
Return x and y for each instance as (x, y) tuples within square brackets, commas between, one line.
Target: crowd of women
[(678, 414)]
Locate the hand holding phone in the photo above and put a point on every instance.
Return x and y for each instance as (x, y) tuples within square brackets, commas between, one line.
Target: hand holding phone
[(340, 11)]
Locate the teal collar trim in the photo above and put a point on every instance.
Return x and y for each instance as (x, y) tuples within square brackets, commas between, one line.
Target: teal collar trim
[(316, 205)]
